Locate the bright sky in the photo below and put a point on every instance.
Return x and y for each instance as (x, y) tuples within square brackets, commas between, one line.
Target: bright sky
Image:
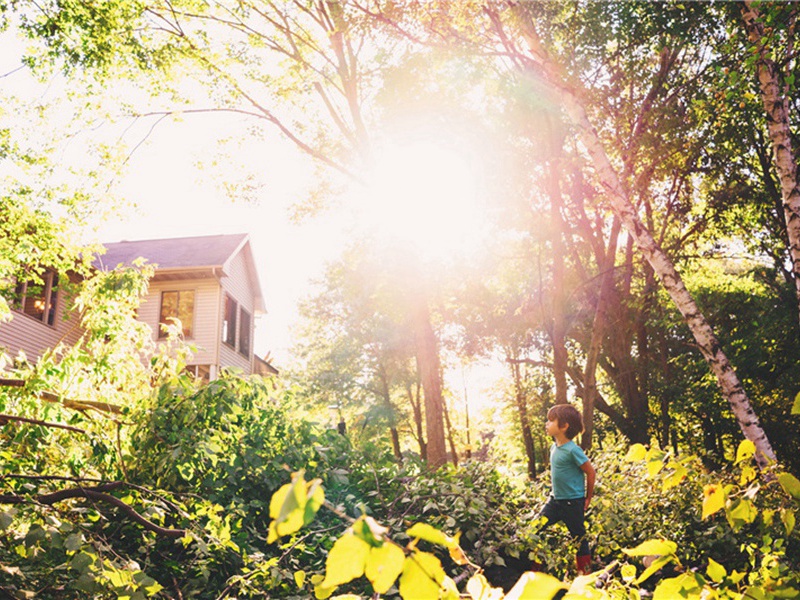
[(176, 177)]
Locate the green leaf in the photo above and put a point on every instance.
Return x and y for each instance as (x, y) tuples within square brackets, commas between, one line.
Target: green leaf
[(652, 548), (422, 576), (740, 513), (716, 571), (713, 499), (384, 566), (535, 585), (745, 451), (346, 560), (788, 519), (790, 484)]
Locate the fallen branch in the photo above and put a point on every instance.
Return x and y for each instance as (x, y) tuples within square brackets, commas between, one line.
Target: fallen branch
[(6, 418), (73, 404), (98, 493)]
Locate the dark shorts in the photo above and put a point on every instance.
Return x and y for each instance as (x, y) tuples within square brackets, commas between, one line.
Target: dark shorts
[(569, 512)]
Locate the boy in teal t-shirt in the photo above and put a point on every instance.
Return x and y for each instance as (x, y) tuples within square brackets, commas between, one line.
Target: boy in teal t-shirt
[(572, 476)]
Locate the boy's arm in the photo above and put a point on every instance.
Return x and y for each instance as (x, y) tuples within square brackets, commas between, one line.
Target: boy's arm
[(590, 476)]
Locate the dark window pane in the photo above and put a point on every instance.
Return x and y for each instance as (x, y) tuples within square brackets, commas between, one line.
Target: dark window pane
[(229, 321), (53, 301), (244, 333)]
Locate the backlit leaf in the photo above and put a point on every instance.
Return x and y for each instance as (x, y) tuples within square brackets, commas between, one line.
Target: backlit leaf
[(745, 451), (791, 484), (628, 573), (796, 405), (300, 578), (655, 566), (422, 576), (683, 586), (741, 512), (345, 561), (715, 571), (652, 548), (636, 453), (788, 519), (478, 588), (535, 586), (713, 499), (384, 565), (430, 534)]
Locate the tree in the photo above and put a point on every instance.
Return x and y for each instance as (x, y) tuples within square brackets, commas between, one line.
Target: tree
[(774, 84)]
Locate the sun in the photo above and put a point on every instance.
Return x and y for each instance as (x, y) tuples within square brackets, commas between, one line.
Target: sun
[(424, 195)]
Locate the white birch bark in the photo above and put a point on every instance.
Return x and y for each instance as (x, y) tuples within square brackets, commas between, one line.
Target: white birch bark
[(663, 267), (775, 106)]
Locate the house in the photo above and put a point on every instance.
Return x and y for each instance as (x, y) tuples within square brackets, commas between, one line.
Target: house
[(209, 283)]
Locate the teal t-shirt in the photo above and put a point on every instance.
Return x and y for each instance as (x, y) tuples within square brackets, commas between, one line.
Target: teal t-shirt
[(568, 479)]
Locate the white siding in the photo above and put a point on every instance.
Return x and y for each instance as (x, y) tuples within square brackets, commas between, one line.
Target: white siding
[(204, 328), (32, 336), (238, 284)]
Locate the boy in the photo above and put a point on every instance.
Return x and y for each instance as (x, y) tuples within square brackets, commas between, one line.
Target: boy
[(569, 467)]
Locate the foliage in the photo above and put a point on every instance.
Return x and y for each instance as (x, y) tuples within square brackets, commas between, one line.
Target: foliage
[(746, 551)]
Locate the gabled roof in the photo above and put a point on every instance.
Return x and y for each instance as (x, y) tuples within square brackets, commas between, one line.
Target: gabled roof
[(212, 253), (206, 251)]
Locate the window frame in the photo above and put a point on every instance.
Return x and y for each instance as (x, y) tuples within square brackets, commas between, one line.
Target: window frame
[(49, 297), (161, 334)]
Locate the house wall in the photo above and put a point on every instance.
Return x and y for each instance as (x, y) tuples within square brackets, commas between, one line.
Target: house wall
[(32, 336), (238, 284), (206, 299)]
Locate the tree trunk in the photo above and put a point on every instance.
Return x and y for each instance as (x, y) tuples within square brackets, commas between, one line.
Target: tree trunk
[(450, 435), (524, 419), (598, 331), (416, 407), (671, 280), (558, 306), (776, 107), (427, 356)]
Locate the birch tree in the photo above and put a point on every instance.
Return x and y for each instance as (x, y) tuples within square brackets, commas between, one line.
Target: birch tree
[(774, 83)]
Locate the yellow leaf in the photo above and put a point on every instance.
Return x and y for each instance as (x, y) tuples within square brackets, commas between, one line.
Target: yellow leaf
[(299, 578), (741, 512), (384, 565), (745, 451), (346, 560), (713, 499), (636, 453), (430, 534), (422, 576), (652, 548), (535, 586), (628, 573), (674, 478), (791, 484), (478, 588), (716, 571)]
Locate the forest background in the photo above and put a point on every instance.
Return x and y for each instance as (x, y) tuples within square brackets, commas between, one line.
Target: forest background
[(640, 256)]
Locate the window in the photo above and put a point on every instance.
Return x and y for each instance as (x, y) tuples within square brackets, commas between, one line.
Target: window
[(177, 305), (38, 299), (244, 333), (229, 321)]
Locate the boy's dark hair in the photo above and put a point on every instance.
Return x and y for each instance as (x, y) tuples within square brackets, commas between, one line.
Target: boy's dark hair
[(566, 413)]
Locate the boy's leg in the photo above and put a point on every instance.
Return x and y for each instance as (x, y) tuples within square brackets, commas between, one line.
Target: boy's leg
[(573, 518)]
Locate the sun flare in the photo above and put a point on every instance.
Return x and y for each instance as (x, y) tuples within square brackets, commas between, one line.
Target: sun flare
[(425, 195)]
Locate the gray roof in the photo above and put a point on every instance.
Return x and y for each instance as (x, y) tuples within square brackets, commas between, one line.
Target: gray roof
[(175, 253), (188, 254)]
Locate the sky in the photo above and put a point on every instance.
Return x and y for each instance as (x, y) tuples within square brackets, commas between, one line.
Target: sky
[(174, 186), (177, 171)]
